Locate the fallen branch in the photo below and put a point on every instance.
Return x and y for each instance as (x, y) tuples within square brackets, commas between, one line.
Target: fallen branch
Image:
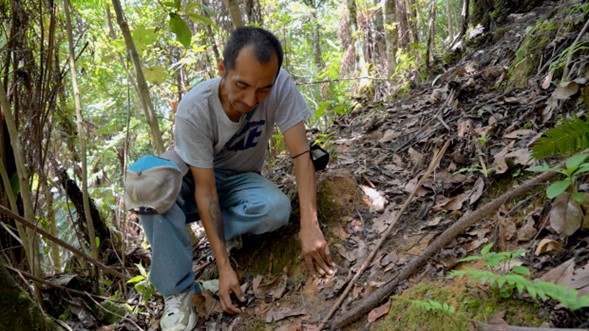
[(444, 239), (433, 164)]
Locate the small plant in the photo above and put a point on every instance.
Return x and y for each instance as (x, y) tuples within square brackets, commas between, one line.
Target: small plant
[(513, 277), (142, 284), (568, 137), (575, 166), (431, 305)]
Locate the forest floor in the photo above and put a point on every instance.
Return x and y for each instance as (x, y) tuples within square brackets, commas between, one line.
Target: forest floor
[(491, 109)]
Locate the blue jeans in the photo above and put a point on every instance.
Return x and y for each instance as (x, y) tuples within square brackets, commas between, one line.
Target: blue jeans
[(249, 203)]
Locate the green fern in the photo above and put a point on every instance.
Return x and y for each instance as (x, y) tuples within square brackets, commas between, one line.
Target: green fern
[(568, 137), (431, 305), (543, 290)]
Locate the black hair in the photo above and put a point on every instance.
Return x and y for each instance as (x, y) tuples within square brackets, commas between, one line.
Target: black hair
[(263, 43)]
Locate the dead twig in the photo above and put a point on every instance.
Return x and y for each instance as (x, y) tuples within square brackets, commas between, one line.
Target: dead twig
[(444, 239), (434, 163)]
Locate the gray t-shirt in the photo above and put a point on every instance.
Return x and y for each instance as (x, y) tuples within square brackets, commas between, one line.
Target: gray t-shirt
[(205, 137)]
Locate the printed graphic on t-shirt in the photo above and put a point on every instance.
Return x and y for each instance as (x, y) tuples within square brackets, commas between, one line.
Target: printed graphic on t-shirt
[(247, 137)]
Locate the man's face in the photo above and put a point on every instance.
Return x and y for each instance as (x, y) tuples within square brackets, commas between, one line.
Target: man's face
[(246, 85)]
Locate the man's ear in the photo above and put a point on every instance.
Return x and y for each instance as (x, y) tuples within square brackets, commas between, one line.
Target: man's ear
[(221, 67)]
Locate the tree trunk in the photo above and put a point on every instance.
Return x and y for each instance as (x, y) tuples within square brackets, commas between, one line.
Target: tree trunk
[(81, 133), (403, 25), (412, 20), (17, 310), (450, 19), (356, 40), (235, 13), (143, 90), (253, 12), (391, 35), (26, 235), (430, 36)]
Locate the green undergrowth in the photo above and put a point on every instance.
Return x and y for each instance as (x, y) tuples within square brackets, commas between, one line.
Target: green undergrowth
[(467, 302)]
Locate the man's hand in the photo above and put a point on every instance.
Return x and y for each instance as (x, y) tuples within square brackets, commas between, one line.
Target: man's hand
[(315, 252), (229, 284)]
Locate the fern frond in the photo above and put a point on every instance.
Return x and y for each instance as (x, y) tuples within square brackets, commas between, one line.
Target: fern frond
[(430, 305), (570, 136), (568, 298)]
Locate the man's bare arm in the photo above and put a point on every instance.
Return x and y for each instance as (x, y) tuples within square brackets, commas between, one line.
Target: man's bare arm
[(314, 248), (209, 209)]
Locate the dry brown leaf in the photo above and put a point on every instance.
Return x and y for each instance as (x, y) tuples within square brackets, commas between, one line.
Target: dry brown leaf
[(412, 184), (499, 162), (528, 231), (455, 203), (520, 156), (379, 311), (551, 104), (579, 280), (565, 215), (373, 198), (546, 245), (281, 288), (566, 275), (415, 157), (282, 313), (345, 253), (258, 292), (296, 325), (562, 271), (508, 227), (477, 191), (547, 80), (205, 304), (566, 90), (518, 134), (389, 136), (464, 127)]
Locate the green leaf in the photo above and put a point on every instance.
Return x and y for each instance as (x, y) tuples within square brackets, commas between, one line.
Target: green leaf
[(15, 184), (557, 188), (486, 249), (155, 75), (470, 258), (583, 168), (575, 161), (579, 196), (200, 18), (539, 168), (520, 270), (181, 29), (569, 137), (97, 240), (173, 4), (136, 279), (143, 37)]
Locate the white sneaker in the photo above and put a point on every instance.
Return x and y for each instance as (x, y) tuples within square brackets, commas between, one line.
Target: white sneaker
[(179, 315)]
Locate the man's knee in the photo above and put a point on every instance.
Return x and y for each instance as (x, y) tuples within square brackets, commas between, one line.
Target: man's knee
[(280, 209)]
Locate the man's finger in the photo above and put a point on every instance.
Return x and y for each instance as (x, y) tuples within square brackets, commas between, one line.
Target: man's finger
[(227, 304), (310, 266), (238, 293), (327, 258)]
